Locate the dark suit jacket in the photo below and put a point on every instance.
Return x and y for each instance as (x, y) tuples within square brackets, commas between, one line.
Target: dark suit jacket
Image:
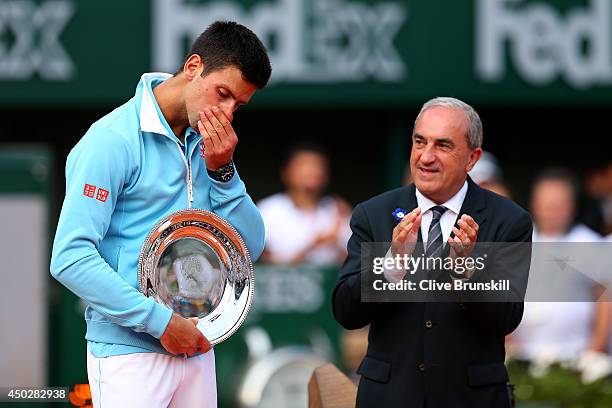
[(442, 354)]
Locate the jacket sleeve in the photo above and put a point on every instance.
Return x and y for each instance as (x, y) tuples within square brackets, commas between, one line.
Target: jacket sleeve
[(231, 201), (348, 309), (513, 259), (96, 170)]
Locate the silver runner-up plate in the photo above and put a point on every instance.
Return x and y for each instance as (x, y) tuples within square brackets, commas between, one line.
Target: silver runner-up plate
[(196, 263)]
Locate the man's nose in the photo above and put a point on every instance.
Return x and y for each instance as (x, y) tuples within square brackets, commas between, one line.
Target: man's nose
[(428, 155), (228, 110)]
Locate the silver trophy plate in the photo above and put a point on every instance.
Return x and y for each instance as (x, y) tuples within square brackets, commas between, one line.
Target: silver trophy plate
[(196, 263)]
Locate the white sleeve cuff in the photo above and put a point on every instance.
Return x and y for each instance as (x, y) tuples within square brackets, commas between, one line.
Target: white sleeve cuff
[(393, 275)]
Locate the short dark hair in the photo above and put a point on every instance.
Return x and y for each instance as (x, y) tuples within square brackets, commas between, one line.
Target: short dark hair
[(227, 43), (306, 146)]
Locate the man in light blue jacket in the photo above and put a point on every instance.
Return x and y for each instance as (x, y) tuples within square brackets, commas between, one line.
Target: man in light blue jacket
[(168, 148)]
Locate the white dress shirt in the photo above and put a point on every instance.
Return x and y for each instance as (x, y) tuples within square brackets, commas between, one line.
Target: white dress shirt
[(447, 222)]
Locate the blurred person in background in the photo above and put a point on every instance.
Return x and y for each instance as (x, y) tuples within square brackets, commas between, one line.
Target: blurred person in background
[(487, 174), (599, 188), (133, 167), (303, 225), (561, 331)]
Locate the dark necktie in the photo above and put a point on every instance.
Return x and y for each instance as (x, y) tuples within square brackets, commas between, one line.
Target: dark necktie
[(434, 238)]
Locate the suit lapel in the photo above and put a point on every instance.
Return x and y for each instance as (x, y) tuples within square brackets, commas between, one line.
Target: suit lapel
[(474, 204), (408, 202)]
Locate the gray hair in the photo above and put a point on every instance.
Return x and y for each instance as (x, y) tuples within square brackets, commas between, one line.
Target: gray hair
[(474, 131)]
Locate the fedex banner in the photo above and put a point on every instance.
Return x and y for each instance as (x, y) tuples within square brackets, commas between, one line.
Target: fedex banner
[(335, 52)]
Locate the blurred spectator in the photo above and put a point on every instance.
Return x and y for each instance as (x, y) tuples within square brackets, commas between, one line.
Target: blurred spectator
[(560, 331), (599, 188), (487, 174), (303, 225)]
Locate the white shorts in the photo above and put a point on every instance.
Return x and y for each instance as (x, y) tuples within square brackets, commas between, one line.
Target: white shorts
[(151, 380)]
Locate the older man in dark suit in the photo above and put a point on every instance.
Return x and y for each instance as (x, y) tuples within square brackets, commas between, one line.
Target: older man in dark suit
[(436, 354)]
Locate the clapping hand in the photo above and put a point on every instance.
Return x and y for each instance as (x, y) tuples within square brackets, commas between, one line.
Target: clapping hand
[(405, 234), (464, 241)]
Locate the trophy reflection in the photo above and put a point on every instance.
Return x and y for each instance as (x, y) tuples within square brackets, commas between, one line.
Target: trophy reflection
[(193, 277)]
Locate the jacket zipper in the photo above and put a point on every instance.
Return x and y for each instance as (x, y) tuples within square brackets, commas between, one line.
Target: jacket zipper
[(190, 195), (189, 176)]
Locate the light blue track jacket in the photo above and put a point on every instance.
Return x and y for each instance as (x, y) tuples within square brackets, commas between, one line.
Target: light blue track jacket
[(128, 172)]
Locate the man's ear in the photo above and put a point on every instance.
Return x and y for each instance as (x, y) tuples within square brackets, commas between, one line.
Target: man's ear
[(475, 155), (193, 67)]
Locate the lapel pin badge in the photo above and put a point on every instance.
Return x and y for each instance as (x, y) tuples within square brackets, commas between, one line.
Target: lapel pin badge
[(399, 213)]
